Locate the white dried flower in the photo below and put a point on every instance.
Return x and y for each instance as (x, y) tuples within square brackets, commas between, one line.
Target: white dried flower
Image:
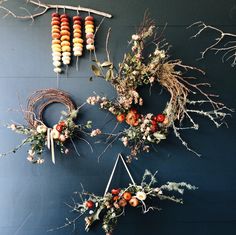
[(135, 37), (55, 134), (12, 127), (31, 152), (149, 115), (40, 161), (125, 141), (141, 196), (151, 79), (159, 136), (95, 132), (41, 129), (30, 158)]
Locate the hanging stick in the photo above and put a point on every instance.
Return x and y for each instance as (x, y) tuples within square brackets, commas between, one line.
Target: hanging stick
[(45, 7)]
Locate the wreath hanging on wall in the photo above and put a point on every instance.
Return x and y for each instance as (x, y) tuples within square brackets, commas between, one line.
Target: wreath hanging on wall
[(187, 96), (114, 203), (40, 136)]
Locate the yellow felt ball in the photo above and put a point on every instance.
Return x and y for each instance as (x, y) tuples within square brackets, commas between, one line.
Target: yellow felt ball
[(78, 45), (57, 70), (78, 40), (56, 49), (56, 46), (89, 26), (65, 43), (89, 30), (66, 53), (66, 48)]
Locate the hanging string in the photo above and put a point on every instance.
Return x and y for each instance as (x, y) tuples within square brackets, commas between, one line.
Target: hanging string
[(57, 80), (77, 63), (113, 171), (67, 71)]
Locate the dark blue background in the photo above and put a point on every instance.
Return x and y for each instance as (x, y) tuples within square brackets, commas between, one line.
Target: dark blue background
[(31, 197)]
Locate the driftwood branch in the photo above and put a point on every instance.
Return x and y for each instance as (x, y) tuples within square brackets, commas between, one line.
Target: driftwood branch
[(218, 45), (45, 7)]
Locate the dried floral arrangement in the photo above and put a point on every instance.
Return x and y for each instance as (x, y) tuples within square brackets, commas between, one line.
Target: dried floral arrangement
[(40, 136), (224, 43), (113, 204), (187, 96)]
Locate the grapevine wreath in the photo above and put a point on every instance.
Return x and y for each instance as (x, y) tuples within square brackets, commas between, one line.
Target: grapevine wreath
[(187, 95), (39, 135), (114, 203)]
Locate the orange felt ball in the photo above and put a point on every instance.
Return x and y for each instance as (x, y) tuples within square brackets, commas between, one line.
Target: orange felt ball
[(56, 41), (64, 20), (65, 38), (55, 22), (77, 31), (77, 22), (77, 18), (65, 24), (56, 35), (76, 26), (77, 35), (56, 27), (65, 32), (56, 31), (89, 22), (64, 16), (65, 43), (55, 18), (89, 18), (65, 28)]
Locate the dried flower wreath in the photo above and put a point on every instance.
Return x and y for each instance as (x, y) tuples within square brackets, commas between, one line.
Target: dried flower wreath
[(39, 136), (113, 204), (137, 70)]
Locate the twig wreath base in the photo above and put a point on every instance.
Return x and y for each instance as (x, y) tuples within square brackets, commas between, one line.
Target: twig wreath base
[(113, 204), (137, 70), (39, 135)]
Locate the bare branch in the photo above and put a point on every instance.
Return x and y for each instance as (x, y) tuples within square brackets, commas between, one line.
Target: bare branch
[(228, 49), (45, 7)]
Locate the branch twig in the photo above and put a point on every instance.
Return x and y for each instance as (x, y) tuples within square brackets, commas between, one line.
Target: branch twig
[(45, 7), (228, 49)]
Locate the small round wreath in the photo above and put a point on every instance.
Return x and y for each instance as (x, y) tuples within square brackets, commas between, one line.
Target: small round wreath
[(41, 99), (187, 96), (39, 135)]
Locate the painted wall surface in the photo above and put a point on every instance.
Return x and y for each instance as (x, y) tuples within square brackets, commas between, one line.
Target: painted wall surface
[(32, 197)]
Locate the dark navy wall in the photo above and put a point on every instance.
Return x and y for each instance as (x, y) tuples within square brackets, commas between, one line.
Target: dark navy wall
[(32, 197)]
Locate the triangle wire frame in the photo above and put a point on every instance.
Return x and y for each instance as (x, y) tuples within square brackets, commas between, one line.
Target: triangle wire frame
[(119, 157)]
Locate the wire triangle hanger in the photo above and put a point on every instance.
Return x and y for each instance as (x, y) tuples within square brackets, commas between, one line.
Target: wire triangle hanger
[(119, 156)]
